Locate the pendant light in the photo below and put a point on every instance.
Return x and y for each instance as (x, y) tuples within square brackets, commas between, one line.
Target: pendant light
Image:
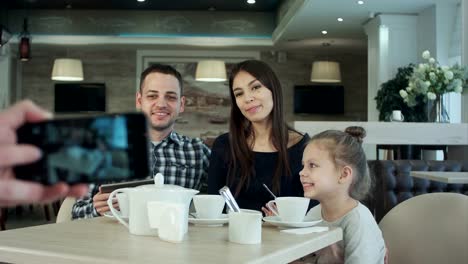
[(325, 71), (66, 69), (25, 43), (211, 71)]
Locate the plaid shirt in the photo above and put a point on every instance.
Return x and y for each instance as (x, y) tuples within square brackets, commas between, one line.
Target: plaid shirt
[(183, 161)]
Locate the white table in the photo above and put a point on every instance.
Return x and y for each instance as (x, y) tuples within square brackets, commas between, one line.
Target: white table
[(442, 176), (103, 240)]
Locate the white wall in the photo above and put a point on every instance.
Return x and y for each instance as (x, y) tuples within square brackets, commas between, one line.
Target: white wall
[(436, 29), (426, 32), (392, 43), (446, 15)]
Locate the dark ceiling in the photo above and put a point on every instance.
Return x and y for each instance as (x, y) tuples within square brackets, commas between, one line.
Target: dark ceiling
[(198, 5)]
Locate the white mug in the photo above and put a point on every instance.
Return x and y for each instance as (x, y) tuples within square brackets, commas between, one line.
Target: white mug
[(169, 218), (137, 222), (208, 206), (397, 116), (245, 227), (290, 209)]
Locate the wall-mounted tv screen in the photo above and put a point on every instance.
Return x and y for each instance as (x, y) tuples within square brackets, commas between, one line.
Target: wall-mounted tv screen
[(319, 99), (80, 97)]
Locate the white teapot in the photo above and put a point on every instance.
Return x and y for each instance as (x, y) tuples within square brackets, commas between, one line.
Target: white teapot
[(138, 198)]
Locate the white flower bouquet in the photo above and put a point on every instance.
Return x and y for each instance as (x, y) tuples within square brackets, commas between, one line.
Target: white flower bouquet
[(430, 80)]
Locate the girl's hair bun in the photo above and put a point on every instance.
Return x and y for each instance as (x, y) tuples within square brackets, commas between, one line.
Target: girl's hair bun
[(357, 132)]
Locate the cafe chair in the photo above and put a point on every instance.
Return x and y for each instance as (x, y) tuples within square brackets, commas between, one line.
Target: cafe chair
[(429, 228), (65, 211)]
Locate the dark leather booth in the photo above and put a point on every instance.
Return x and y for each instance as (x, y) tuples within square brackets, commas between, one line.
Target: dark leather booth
[(393, 183)]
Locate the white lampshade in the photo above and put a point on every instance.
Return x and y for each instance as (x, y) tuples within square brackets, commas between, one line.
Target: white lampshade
[(211, 71), (67, 70), (325, 72)]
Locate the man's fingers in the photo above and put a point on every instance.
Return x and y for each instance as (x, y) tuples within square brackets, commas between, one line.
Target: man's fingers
[(54, 192), (101, 197), (78, 190), (102, 210), (24, 111), (7, 135), (14, 192), (18, 154), (98, 205)]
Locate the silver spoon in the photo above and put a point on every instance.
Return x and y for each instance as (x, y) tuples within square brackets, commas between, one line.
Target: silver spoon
[(266, 187)]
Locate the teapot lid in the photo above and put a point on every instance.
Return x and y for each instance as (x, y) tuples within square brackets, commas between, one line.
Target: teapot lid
[(166, 187), (159, 184), (159, 179)]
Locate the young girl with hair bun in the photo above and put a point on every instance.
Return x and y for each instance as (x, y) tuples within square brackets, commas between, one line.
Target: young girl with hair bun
[(335, 173)]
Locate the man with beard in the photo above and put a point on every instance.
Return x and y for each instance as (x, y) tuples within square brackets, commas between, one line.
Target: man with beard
[(183, 161)]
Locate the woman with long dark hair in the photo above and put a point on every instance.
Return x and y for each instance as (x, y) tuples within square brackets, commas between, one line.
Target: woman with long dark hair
[(260, 147)]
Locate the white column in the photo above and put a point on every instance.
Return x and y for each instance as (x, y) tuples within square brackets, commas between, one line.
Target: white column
[(5, 76)]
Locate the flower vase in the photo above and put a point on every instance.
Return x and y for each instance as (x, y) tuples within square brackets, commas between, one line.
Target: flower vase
[(436, 110)]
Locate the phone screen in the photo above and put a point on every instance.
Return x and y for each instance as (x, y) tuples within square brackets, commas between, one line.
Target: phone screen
[(96, 149)]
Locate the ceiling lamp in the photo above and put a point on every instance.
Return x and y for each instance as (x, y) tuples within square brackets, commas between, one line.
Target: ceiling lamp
[(325, 72), (25, 43), (67, 70), (211, 71)]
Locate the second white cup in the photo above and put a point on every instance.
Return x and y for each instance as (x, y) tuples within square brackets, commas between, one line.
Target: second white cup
[(245, 227), (290, 209), (397, 116), (208, 206)]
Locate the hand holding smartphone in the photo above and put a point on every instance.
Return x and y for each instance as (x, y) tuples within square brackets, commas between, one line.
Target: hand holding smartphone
[(98, 149)]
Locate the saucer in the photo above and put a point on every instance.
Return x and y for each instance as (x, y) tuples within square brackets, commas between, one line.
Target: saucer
[(276, 221), (109, 214), (208, 222)]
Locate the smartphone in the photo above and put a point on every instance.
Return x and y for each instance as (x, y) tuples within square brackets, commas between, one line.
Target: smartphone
[(108, 188), (97, 149)]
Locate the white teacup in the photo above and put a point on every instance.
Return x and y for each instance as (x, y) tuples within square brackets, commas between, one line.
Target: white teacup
[(245, 227), (290, 209), (208, 206), (397, 116)]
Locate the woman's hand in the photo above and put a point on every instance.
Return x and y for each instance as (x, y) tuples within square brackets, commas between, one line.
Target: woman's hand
[(267, 211)]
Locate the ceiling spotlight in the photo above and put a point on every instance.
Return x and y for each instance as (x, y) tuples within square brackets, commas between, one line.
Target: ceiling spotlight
[(141, 0), (324, 32), (251, 2), (340, 19), (360, 2)]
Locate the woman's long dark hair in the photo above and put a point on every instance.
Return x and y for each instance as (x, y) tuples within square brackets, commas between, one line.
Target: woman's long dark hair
[(241, 154)]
